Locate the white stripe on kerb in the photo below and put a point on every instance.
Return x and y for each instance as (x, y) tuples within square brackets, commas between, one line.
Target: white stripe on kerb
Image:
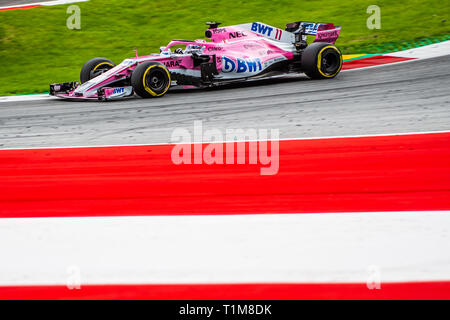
[(334, 247), (426, 52)]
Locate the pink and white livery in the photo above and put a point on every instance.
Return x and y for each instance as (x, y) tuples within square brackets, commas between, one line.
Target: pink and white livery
[(235, 53)]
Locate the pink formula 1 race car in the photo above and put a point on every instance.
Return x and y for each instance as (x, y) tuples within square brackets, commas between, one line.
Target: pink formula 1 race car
[(235, 53)]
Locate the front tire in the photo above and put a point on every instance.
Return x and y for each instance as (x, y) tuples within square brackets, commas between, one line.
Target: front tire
[(95, 67), (150, 79), (321, 60)]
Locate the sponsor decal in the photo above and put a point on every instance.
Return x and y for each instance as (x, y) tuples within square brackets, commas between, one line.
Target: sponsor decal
[(266, 30), (272, 61), (118, 90), (215, 48), (311, 28), (241, 65), (252, 46), (219, 30), (172, 63), (327, 35), (261, 28), (194, 48), (266, 52), (237, 34)]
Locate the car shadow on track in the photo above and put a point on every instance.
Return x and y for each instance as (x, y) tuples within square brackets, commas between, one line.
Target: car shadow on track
[(226, 86), (244, 84)]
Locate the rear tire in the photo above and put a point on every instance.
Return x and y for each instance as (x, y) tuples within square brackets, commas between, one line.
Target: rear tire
[(150, 79), (321, 60), (95, 67)]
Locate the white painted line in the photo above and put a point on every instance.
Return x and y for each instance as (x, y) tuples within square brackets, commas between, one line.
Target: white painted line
[(45, 3), (336, 247), (425, 52), (226, 141), (24, 98)]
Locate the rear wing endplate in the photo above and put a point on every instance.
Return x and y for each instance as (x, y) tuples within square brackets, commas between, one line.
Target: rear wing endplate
[(324, 32)]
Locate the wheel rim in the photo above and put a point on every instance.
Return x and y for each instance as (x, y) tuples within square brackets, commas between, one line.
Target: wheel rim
[(330, 61), (156, 80)]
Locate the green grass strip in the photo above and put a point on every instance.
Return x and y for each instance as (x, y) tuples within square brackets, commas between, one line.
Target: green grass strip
[(36, 47)]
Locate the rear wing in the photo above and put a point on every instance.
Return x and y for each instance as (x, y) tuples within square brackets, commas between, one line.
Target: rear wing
[(295, 32), (324, 32)]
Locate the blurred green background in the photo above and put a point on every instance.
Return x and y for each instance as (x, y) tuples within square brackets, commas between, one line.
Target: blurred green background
[(36, 47)]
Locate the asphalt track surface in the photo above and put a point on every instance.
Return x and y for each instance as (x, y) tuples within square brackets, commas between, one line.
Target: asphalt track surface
[(405, 97)]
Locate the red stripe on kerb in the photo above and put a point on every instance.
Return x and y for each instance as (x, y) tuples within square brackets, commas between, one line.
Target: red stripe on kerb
[(372, 61), (334, 291), (391, 173), (21, 7)]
